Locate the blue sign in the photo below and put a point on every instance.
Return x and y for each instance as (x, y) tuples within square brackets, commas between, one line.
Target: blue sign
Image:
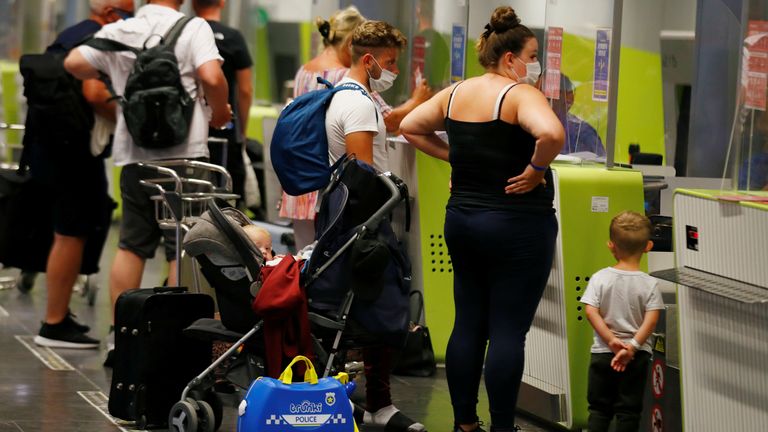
[(458, 39), (602, 65)]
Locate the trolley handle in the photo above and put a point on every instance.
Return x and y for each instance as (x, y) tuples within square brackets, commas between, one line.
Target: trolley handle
[(202, 165), (165, 171), (11, 126), (215, 168)]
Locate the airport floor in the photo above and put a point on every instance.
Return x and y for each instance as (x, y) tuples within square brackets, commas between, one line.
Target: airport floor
[(61, 390)]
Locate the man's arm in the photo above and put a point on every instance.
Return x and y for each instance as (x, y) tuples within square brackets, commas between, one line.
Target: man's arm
[(244, 95), (361, 145), (79, 67), (216, 90), (97, 95)]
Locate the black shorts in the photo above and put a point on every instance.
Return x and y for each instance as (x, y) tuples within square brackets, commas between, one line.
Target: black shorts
[(80, 198), (140, 232)]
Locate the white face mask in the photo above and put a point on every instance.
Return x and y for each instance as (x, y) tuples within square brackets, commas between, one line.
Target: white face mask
[(384, 82), (532, 72)]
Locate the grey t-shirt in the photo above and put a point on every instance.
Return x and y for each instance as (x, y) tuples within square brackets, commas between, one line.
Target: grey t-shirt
[(623, 297)]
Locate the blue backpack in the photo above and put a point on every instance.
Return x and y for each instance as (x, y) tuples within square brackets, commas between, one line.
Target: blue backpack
[(299, 147)]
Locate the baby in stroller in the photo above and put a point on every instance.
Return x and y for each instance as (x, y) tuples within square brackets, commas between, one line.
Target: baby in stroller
[(356, 257), (262, 239)]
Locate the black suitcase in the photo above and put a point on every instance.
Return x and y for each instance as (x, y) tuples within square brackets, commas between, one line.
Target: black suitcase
[(154, 361)]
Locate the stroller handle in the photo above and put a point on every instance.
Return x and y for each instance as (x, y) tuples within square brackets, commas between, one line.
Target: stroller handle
[(390, 205)]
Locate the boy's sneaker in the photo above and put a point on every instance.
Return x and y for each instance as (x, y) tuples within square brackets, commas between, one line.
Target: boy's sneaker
[(64, 335)]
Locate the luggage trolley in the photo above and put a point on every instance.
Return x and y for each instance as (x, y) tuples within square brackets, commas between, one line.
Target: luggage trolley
[(182, 200)]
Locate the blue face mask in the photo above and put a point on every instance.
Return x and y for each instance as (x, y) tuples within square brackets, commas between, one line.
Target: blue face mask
[(122, 13)]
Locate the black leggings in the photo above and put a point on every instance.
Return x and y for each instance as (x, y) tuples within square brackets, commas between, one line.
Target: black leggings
[(501, 262)]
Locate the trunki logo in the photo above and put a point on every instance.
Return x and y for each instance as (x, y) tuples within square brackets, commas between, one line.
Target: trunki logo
[(306, 407)]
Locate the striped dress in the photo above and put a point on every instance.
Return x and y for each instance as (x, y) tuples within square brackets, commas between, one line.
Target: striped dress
[(303, 207)]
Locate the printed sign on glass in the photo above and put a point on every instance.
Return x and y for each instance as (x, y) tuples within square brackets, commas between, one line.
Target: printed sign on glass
[(602, 65), (458, 37), (554, 60), (755, 74)]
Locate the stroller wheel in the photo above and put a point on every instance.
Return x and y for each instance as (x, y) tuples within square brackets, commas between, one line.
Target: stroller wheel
[(214, 401), (183, 417), (206, 419)]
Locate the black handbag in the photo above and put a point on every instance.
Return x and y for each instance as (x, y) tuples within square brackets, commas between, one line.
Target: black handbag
[(416, 358)]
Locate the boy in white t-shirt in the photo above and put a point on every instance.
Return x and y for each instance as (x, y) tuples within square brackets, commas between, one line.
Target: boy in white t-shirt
[(622, 304)]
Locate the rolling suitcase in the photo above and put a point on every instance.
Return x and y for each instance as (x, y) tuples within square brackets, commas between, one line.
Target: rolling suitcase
[(154, 361)]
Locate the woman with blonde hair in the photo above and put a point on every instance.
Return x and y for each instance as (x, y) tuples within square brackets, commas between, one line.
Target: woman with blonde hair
[(332, 65), (500, 225)]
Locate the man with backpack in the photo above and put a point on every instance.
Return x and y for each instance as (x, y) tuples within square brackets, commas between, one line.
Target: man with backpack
[(157, 38), (57, 152), (355, 125)]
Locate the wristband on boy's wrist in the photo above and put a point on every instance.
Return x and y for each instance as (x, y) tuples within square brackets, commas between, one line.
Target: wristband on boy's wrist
[(635, 344), (536, 167)]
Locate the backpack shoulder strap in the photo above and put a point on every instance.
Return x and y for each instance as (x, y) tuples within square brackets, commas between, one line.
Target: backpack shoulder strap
[(103, 44), (170, 38)]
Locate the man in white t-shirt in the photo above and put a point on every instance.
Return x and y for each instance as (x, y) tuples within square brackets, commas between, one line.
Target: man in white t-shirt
[(202, 77), (355, 125), (353, 122)]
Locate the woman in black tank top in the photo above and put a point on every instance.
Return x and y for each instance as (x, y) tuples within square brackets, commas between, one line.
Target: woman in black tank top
[(500, 226)]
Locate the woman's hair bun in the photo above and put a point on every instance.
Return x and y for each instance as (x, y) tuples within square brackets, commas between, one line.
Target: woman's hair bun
[(323, 26), (504, 18)]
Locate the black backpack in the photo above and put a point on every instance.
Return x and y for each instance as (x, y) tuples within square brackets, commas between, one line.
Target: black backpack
[(57, 113), (157, 109)]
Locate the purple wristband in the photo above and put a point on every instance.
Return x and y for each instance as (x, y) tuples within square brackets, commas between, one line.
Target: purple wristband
[(536, 167)]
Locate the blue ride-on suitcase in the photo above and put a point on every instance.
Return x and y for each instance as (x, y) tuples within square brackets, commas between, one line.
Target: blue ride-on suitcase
[(278, 405)]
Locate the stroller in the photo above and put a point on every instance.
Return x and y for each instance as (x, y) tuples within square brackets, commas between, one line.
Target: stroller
[(354, 239)]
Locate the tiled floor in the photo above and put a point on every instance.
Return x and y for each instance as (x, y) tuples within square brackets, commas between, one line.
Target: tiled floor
[(34, 397)]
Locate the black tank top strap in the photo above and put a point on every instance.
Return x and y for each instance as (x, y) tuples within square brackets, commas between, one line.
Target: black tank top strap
[(500, 100), (450, 99)]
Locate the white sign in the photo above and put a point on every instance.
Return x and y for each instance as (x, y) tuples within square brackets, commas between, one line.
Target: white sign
[(599, 204)]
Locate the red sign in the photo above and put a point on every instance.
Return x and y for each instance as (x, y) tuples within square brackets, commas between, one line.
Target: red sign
[(755, 74), (658, 378), (554, 60), (657, 419)]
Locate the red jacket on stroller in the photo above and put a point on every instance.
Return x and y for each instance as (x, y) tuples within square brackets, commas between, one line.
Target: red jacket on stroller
[(282, 304)]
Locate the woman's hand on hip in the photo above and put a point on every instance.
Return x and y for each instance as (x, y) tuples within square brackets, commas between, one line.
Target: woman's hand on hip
[(525, 182)]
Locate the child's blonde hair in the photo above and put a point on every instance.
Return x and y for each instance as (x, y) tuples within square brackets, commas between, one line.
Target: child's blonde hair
[(630, 232), (253, 230)]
